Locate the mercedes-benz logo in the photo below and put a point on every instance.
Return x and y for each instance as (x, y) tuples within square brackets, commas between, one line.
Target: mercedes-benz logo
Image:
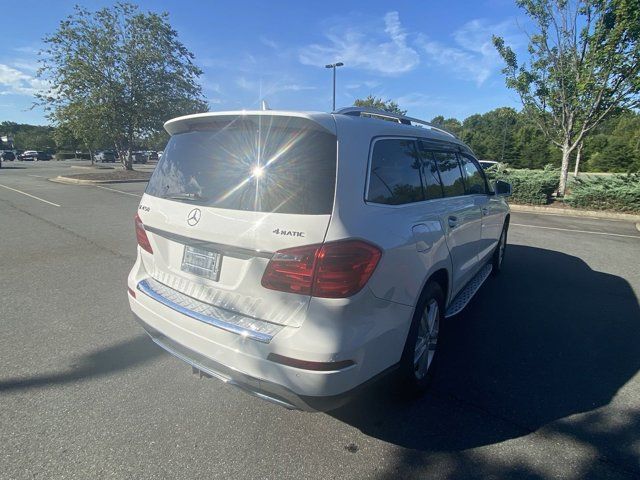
[(194, 217)]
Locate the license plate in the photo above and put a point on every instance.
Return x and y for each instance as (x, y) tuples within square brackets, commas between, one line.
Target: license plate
[(201, 262)]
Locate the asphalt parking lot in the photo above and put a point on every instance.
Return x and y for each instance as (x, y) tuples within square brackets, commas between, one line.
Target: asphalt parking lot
[(539, 375)]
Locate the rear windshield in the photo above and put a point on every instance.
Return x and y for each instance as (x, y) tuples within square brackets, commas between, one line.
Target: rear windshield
[(250, 164)]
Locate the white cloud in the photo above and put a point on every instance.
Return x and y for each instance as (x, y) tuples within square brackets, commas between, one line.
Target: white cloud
[(418, 100), (390, 55), (269, 43), (270, 87), (472, 55), (370, 84), (14, 81)]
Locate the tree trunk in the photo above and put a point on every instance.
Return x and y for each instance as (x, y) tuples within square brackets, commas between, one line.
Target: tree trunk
[(578, 155), (564, 169), (127, 161), (91, 157)]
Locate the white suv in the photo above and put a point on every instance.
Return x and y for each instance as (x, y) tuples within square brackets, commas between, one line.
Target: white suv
[(299, 255)]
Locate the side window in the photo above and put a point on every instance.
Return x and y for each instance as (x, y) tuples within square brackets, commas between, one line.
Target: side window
[(432, 182), (450, 173), (396, 175), (474, 178)]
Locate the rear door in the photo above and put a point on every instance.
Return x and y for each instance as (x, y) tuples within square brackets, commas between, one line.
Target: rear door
[(462, 221), (226, 194), (490, 207)]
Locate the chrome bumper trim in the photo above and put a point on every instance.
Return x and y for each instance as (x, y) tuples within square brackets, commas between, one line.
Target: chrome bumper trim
[(244, 326)]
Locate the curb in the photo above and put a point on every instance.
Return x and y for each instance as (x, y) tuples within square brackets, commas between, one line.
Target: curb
[(89, 167), (576, 213), (77, 181)]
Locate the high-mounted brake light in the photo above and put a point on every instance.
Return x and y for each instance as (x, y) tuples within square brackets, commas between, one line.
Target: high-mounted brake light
[(141, 235), (332, 270)]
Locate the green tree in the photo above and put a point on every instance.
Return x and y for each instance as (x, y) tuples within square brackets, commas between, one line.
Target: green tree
[(452, 125), (379, 104), (116, 75), (584, 62), (29, 137)]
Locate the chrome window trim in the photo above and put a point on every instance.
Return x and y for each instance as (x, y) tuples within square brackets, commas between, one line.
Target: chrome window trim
[(145, 287), (227, 250)]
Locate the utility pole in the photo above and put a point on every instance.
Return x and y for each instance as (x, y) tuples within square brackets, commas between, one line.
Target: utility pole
[(333, 66)]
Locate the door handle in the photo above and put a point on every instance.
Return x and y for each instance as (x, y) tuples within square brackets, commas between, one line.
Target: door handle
[(485, 211), (453, 222)]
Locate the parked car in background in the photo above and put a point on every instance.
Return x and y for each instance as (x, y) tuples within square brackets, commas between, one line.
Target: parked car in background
[(151, 155), (28, 155), (44, 156), (160, 154), (301, 273), (139, 157), (8, 155), (488, 163), (105, 156)]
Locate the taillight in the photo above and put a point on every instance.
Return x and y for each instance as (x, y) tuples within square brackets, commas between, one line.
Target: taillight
[(141, 235), (332, 270), (291, 270)]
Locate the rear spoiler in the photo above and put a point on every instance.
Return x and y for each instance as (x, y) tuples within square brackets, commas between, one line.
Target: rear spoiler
[(320, 121)]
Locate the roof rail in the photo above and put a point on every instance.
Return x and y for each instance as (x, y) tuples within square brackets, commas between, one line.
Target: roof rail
[(393, 117)]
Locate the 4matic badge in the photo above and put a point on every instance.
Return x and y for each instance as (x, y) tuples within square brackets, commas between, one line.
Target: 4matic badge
[(287, 233)]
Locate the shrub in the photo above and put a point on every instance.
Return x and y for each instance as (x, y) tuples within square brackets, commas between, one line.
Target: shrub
[(71, 156), (533, 187), (615, 192)]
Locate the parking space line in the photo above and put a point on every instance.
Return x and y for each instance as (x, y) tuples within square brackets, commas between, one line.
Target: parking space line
[(39, 176), (119, 191), (575, 231), (29, 195)]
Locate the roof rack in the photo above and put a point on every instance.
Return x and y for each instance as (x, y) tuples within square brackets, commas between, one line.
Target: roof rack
[(388, 116)]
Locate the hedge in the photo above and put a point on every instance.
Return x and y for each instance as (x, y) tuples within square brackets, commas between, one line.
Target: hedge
[(615, 192), (533, 187), (70, 156)]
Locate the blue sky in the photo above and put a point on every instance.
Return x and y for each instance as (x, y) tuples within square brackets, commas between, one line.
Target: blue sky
[(433, 58)]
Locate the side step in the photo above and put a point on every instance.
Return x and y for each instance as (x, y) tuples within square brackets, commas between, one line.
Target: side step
[(467, 293)]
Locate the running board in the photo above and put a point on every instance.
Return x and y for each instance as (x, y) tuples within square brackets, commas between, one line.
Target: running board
[(466, 294)]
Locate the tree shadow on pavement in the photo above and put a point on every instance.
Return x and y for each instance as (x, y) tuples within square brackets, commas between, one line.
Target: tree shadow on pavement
[(546, 339), (122, 356)]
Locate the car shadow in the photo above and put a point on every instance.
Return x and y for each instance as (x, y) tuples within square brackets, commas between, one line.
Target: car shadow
[(105, 361), (6, 167), (547, 338)]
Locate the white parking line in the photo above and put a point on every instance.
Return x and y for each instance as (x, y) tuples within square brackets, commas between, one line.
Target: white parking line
[(575, 231), (29, 195), (119, 191), (39, 176)]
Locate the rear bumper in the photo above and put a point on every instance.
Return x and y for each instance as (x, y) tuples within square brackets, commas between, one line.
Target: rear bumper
[(257, 387), (365, 330)]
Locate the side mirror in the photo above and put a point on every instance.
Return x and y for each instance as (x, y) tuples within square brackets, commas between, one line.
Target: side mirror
[(502, 188)]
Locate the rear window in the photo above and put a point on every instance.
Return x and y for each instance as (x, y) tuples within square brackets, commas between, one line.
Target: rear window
[(251, 164)]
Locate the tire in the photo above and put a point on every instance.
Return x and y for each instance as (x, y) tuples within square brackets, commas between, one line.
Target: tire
[(501, 248), (416, 370)]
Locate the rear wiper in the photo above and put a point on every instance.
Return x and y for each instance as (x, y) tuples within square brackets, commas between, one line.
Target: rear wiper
[(185, 196)]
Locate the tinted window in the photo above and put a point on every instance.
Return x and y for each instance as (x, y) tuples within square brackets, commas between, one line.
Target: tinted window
[(250, 164), (450, 173), (433, 185), (396, 173), (474, 180)]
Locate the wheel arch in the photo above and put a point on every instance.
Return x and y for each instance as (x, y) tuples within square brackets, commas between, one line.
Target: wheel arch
[(441, 277)]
